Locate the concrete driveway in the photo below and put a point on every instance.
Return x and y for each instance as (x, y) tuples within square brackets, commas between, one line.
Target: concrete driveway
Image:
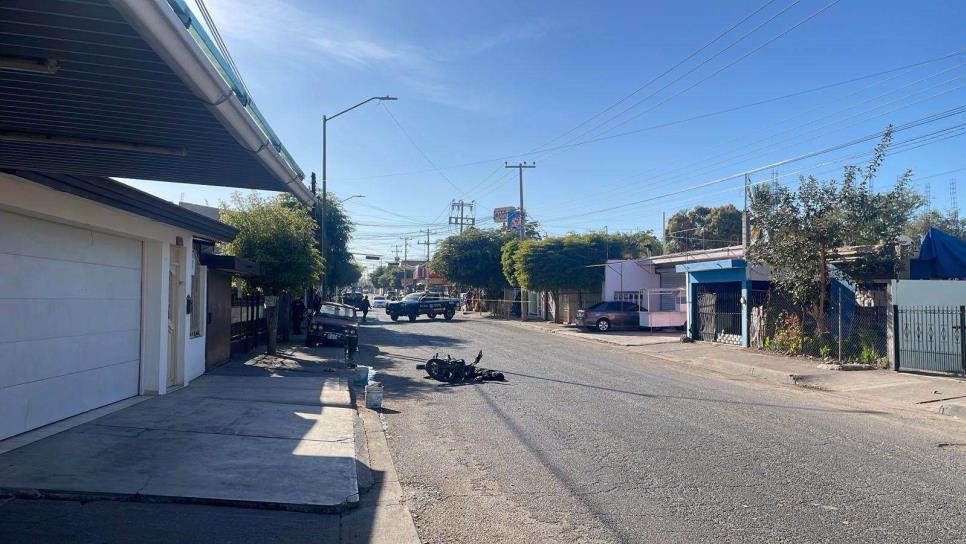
[(247, 435)]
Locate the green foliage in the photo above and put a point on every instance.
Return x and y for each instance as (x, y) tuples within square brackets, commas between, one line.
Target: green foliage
[(630, 245), (788, 335), (340, 268), (387, 277), (566, 262), (798, 234), (508, 262), (277, 235), (702, 227), (947, 221), (473, 258)]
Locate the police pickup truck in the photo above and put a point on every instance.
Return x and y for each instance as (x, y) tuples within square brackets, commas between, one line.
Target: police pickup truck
[(420, 303)]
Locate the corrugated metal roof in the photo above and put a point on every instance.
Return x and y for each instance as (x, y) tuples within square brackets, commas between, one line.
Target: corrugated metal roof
[(110, 86)]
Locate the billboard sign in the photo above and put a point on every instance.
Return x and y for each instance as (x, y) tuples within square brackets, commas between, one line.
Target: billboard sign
[(513, 220), (499, 214)]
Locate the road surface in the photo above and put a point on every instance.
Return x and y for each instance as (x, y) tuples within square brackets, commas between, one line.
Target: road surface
[(589, 443)]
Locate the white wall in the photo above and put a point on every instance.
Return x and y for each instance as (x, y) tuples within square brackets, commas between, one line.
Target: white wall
[(636, 277), (31, 199), (194, 358), (928, 293)]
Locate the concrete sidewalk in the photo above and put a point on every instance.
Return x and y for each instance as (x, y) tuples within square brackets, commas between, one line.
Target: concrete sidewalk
[(943, 395), (269, 433)]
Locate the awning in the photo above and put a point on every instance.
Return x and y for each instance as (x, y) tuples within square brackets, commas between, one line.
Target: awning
[(129, 88)]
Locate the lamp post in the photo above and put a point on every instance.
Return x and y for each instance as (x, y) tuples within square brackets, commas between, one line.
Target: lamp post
[(325, 122), (351, 197)]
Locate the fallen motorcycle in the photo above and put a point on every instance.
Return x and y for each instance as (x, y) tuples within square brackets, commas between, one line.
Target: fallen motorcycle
[(451, 370)]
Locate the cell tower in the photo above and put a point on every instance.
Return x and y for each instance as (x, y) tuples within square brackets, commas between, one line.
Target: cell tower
[(953, 200), (927, 193)]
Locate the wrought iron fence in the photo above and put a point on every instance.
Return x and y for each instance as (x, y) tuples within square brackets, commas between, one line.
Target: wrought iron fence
[(930, 339)]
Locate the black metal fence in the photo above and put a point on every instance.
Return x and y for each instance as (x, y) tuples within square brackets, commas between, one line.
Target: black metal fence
[(247, 323), (847, 330), (930, 339), (719, 312)]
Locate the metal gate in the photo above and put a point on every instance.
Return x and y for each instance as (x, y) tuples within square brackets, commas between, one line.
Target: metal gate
[(719, 312), (930, 339)]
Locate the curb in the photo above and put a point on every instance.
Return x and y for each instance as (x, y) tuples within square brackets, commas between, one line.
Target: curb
[(88, 496)]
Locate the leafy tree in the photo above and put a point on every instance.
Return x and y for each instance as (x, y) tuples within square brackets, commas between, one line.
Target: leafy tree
[(630, 245), (280, 237), (340, 269), (508, 261), (702, 227), (387, 277), (472, 258), (799, 234)]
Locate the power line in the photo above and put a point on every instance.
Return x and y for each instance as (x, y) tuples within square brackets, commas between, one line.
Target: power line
[(919, 122), (421, 152), (692, 70), (662, 125), (799, 136), (661, 75)]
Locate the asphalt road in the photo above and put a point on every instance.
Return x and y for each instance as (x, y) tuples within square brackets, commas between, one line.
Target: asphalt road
[(588, 443)]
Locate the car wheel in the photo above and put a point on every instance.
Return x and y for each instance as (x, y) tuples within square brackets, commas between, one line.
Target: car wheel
[(394, 317), (448, 314), (412, 317), (431, 316), (603, 325)]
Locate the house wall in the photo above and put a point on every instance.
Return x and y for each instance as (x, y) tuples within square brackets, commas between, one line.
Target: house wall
[(158, 240), (928, 292), (635, 278)]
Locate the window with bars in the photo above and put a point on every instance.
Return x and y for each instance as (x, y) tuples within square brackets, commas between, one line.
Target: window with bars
[(628, 296)]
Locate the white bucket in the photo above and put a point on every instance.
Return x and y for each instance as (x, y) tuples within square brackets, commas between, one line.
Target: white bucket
[(374, 396), (362, 375)]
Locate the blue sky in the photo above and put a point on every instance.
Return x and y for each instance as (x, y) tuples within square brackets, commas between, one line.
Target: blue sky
[(480, 83)]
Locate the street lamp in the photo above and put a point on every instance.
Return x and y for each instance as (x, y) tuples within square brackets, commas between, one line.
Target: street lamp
[(351, 197), (325, 121)]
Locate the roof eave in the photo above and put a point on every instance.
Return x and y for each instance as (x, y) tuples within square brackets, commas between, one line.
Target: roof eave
[(158, 25)]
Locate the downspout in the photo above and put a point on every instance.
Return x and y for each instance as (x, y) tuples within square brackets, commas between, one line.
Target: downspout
[(157, 23)]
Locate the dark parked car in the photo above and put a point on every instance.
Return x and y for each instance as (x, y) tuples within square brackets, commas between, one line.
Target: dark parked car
[(423, 303), (610, 315), (334, 323)]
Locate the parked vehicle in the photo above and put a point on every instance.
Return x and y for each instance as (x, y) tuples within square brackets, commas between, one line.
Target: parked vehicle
[(425, 303), (609, 315), (334, 323), (378, 301)]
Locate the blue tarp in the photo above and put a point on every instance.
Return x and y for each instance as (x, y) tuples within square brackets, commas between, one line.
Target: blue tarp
[(941, 257)]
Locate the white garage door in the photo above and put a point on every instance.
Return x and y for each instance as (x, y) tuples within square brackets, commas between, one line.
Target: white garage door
[(70, 319)]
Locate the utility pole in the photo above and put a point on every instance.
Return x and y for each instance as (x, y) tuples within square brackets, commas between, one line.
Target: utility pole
[(395, 249), (461, 219), (523, 213), (745, 227), (523, 225), (427, 244), (663, 231)]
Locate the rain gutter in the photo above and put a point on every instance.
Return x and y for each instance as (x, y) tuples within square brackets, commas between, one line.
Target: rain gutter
[(169, 27)]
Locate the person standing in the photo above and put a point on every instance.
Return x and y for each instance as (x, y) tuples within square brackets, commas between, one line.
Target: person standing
[(298, 312), (364, 306)]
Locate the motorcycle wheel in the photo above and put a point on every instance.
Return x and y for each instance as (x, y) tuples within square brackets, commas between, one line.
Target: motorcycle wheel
[(432, 368)]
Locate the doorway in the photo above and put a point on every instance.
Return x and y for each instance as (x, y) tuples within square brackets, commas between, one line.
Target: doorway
[(175, 287)]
